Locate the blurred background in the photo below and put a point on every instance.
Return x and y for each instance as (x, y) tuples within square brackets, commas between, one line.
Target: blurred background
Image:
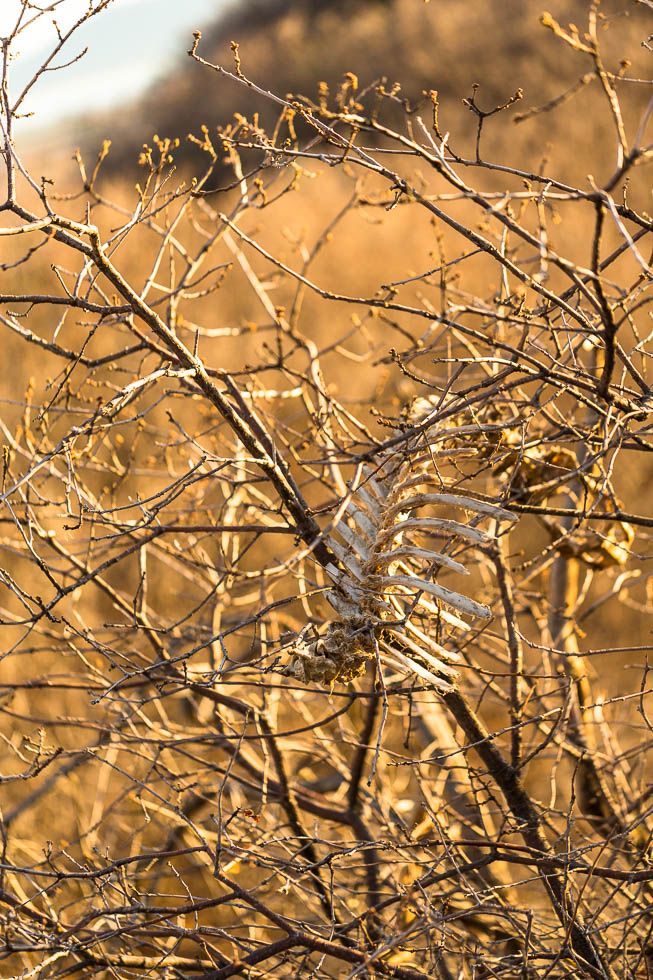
[(137, 80)]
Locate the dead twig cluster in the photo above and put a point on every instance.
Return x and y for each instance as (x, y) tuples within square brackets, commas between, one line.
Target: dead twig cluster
[(324, 578)]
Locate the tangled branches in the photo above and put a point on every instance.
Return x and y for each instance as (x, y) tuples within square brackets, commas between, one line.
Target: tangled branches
[(346, 368)]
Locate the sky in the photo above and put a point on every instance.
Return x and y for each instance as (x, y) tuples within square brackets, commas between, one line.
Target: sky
[(130, 44)]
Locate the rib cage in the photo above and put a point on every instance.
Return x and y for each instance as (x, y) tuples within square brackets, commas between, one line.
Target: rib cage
[(382, 542)]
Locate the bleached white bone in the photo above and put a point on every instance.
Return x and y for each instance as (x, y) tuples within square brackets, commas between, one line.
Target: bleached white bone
[(435, 524), (405, 665), (454, 599), (452, 500), (364, 522), (358, 545), (385, 558), (407, 642), (347, 558)]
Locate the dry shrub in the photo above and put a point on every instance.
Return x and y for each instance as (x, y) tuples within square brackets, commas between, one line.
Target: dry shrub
[(325, 535)]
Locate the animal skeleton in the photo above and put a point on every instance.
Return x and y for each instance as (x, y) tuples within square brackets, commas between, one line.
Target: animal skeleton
[(385, 580)]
